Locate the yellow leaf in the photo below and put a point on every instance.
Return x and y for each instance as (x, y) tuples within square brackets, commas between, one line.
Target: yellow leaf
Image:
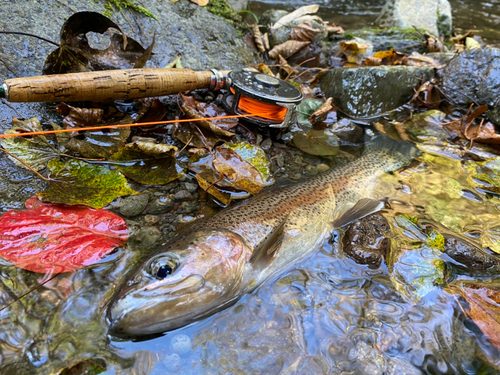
[(201, 3)]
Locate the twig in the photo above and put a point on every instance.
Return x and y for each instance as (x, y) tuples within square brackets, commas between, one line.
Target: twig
[(9, 68), (26, 165), (206, 191), (187, 144), (32, 35), (11, 107), (303, 62)]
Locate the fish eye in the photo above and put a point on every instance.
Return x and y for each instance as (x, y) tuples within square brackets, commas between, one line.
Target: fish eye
[(163, 267)]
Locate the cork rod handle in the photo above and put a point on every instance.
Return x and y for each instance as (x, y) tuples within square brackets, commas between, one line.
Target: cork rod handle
[(105, 85)]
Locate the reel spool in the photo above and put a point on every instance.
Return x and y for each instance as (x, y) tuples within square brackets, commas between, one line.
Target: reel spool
[(254, 92)]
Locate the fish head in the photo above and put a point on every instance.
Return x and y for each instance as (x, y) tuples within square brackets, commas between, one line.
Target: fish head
[(192, 277)]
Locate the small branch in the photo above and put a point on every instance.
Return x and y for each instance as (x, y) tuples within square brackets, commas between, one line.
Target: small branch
[(26, 165), (187, 144), (32, 35)]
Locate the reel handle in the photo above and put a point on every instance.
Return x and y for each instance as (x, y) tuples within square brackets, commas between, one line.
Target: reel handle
[(110, 85)]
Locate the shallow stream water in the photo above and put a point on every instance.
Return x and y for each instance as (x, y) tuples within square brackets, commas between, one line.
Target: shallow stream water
[(325, 315)]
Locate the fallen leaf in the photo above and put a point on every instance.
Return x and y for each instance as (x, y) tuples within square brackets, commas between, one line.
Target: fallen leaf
[(287, 49), (196, 110), (287, 69), (286, 19), (175, 63), (321, 113), (99, 143), (197, 137), (75, 54), (354, 52), (254, 155), (317, 142), (257, 37), (263, 68), (221, 196), (305, 109), (54, 238), (485, 133), (388, 57), (484, 310), (240, 173), (471, 43), (79, 117), (152, 110), (332, 29), (76, 182), (304, 32), (36, 151), (148, 163)]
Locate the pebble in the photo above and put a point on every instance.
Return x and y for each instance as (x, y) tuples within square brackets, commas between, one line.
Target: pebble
[(322, 167), (266, 144), (159, 205), (151, 219), (311, 170), (183, 195), (181, 344), (191, 187), (134, 205)]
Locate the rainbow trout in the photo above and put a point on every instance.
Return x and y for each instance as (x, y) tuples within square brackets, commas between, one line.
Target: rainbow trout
[(218, 260)]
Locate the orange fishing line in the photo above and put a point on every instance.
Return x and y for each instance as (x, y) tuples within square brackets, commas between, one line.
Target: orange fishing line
[(257, 113), (268, 111)]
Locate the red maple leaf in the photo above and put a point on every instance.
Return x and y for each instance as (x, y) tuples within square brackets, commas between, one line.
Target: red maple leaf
[(56, 238)]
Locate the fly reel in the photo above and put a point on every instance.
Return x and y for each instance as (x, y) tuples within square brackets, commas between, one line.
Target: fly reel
[(272, 98)]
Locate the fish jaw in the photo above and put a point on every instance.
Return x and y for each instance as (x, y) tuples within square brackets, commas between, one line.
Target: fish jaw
[(211, 265)]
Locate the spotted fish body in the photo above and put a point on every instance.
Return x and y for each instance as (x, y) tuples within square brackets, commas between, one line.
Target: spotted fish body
[(237, 249)]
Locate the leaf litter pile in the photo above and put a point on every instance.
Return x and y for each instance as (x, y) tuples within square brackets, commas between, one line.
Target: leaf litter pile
[(87, 170)]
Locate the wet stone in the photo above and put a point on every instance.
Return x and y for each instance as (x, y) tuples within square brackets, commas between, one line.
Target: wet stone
[(146, 238), (348, 132), (470, 256), (365, 241), (373, 91), (134, 205), (266, 144), (322, 167), (191, 187), (183, 195), (474, 76), (269, 17), (433, 16), (159, 205)]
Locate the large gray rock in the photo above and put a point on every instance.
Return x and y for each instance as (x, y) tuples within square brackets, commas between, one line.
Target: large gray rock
[(205, 41), (474, 76), (431, 15), (371, 91)]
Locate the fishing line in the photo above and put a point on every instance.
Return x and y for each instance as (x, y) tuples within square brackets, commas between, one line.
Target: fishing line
[(267, 111), (123, 125)]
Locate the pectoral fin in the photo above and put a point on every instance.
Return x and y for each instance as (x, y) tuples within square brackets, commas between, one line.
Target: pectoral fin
[(265, 253), (360, 210)]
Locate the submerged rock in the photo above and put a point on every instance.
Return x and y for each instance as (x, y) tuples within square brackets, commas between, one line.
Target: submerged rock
[(365, 241), (431, 15), (474, 76), (372, 91), (472, 257)]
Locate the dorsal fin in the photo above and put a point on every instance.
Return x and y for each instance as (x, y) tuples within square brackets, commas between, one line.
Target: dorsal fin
[(363, 208), (265, 253)]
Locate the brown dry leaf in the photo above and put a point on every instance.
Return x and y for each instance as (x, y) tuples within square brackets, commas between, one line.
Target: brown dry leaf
[(353, 51), (263, 68), (334, 30), (79, 117), (287, 49), (197, 137), (304, 31), (241, 174), (201, 3), (286, 67), (257, 37), (461, 38), (265, 39), (196, 110), (469, 130), (321, 112), (486, 134), (152, 110), (372, 61), (416, 59), (427, 95), (484, 310)]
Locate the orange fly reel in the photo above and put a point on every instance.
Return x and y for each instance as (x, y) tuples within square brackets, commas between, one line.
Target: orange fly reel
[(252, 92)]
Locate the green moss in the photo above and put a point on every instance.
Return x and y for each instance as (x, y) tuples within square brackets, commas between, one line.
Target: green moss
[(222, 9), (112, 5)]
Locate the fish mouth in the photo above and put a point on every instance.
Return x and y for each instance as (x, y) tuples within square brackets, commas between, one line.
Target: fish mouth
[(154, 308)]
